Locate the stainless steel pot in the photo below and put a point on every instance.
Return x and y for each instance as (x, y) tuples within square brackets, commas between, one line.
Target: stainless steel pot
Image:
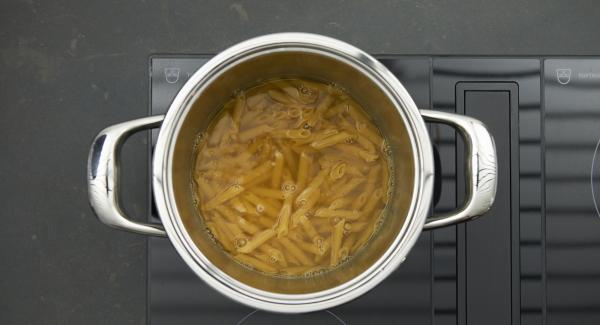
[(288, 55)]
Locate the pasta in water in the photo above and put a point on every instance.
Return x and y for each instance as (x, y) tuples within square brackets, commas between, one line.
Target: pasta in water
[(291, 177)]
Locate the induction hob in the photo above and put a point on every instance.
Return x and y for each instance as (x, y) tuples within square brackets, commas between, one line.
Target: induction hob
[(533, 259)]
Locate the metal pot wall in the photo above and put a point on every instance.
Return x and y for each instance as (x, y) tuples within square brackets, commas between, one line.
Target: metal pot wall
[(293, 55)]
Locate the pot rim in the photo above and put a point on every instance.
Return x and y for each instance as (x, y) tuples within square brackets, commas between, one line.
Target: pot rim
[(278, 302)]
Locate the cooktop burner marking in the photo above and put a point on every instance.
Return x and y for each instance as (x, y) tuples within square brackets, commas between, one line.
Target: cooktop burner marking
[(335, 316), (592, 178), (332, 314), (247, 316)]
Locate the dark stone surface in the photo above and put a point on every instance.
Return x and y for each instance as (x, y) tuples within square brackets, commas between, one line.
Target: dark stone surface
[(70, 68)]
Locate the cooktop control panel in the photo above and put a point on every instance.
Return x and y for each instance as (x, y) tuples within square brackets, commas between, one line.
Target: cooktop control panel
[(534, 258)]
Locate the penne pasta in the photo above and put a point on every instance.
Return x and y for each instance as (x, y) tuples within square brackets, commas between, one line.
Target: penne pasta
[(247, 226), (336, 242), (262, 206), (217, 151), (219, 131), (335, 110), (229, 214), (225, 235), (362, 199), (222, 197), (323, 247), (257, 181), (236, 114), (372, 203), (357, 226), (369, 133), (234, 161), (294, 112), (295, 217), (250, 209), (279, 116), (323, 230), (206, 164), (289, 158), (346, 248), (292, 134), (308, 202), (310, 229), (239, 238), (325, 257), (289, 188), (255, 263), (264, 258), (354, 171), (324, 104), (365, 143), (291, 177), (298, 149), (342, 137), (347, 188), (277, 169), (305, 206), (238, 205), (345, 125), (310, 248), (274, 254), (274, 203), (314, 185), (338, 170), (257, 240), (321, 222), (304, 164), (339, 203), (295, 251), (283, 218), (266, 192), (254, 132), (212, 228), (254, 146), (256, 172), (328, 213), (316, 136), (264, 221), (296, 233), (290, 258), (335, 154), (281, 97), (362, 238), (358, 152), (256, 102), (332, 189), (205, 187)]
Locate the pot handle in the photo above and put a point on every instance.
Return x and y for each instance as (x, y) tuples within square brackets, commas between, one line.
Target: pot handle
[(481, 168), (103, 175)]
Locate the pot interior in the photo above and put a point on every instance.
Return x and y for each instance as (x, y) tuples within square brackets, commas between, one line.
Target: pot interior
[(310, 64)]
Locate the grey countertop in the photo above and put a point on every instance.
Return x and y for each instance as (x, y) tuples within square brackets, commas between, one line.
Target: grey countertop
[(70, 68)]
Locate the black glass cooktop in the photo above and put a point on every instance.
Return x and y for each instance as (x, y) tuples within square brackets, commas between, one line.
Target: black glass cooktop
[(533, 259)]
